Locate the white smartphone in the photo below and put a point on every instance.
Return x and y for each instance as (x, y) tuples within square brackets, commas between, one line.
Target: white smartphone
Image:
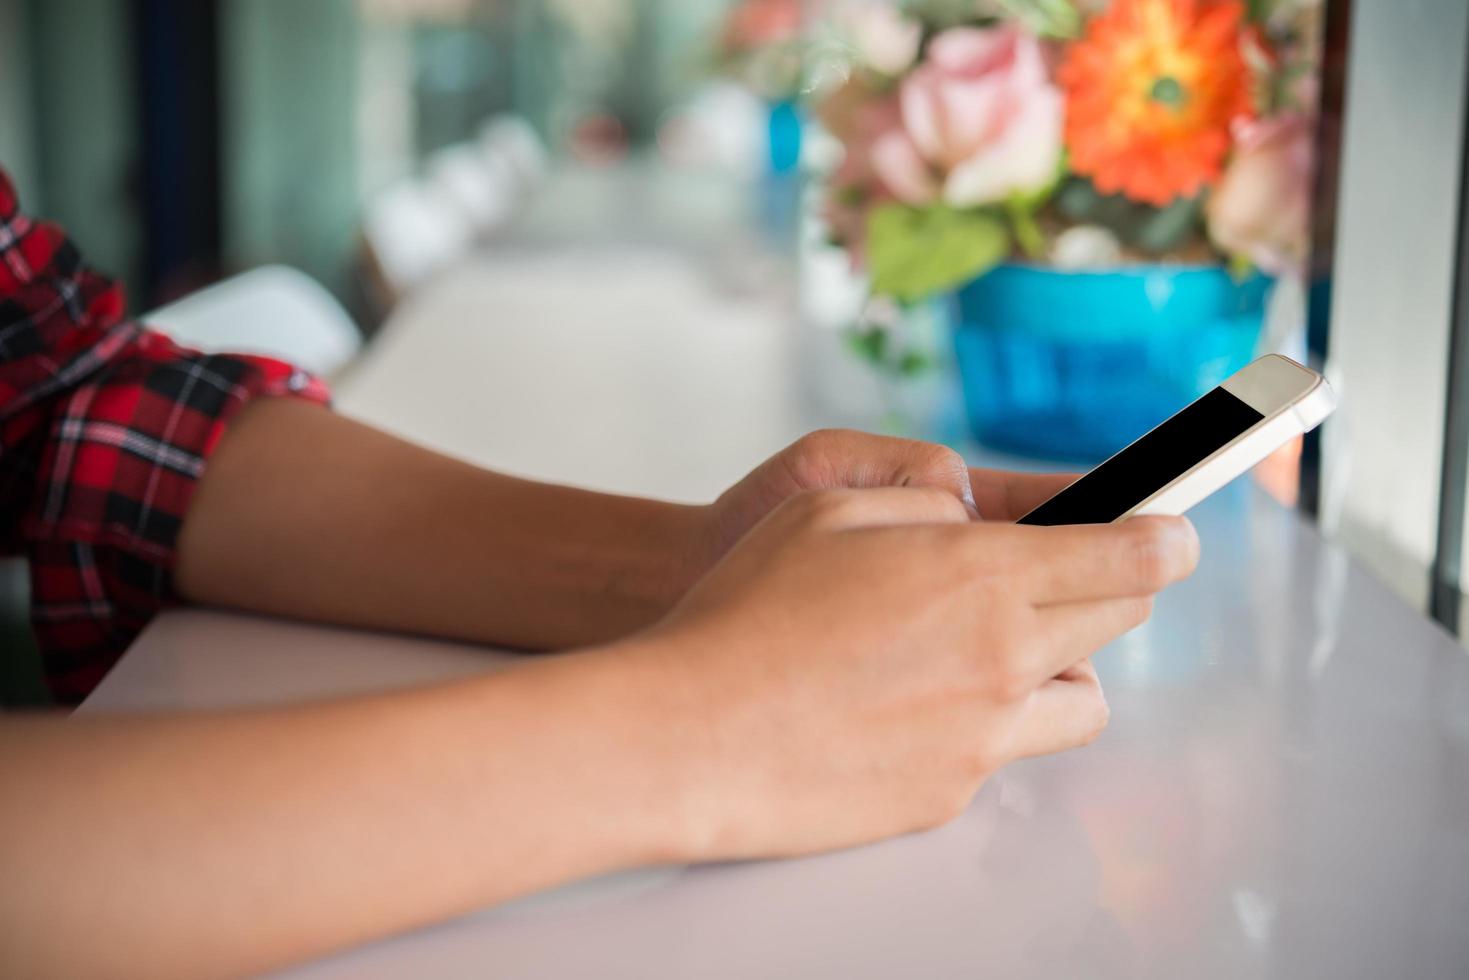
[(1217, 438)]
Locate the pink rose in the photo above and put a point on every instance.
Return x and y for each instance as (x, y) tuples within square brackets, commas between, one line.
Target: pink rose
[(981, 121), (1261, 207)]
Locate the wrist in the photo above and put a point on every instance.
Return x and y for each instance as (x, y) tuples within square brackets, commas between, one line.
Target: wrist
[(661, 726), (689, 545)]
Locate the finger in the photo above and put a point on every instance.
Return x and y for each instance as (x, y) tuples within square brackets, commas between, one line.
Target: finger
[(1139, 556), (1069, 634), (878, 507), (1004, 496), (1062, 714), (838, 458), (1079, 671)]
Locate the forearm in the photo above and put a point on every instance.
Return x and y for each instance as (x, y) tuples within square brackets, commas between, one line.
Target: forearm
[(305, 513), (229, 844)]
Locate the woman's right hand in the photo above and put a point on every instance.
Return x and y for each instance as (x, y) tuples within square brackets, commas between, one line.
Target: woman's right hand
[(863, 660)]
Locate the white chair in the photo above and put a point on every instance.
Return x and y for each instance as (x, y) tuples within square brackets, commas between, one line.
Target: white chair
[(509, 139), (486, 189), (412, 230), (272, 310), (416, 226)]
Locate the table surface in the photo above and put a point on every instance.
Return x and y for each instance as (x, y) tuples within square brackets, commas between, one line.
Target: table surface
[(1283, 792)]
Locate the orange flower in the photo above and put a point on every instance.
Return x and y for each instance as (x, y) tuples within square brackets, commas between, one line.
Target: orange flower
[(1151, 91)]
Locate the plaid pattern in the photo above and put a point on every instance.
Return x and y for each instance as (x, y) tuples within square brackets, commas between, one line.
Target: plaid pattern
[(105, 428)]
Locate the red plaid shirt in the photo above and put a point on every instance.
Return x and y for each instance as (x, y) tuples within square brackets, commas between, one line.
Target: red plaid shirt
[(104, 431)]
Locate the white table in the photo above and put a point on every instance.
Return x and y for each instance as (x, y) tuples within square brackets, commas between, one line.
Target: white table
[(1283, 792)]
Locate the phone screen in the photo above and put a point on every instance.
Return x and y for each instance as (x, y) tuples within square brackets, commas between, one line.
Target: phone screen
[(1151, 463)]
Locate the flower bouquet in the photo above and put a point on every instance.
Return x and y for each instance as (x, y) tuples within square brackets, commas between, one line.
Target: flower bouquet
[(1102, 193)]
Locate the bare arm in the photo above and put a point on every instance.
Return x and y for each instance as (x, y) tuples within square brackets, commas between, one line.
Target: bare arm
[(224, 844), (305, 513)]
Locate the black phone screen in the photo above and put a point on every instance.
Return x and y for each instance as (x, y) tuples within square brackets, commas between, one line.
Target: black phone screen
[(1151, 463)]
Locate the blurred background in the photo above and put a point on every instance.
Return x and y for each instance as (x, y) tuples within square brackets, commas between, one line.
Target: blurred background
[(182, 141), (641, 244)]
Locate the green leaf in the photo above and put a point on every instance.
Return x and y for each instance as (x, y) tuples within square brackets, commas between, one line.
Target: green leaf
[(1141, 226), (869, 344), (1047, 18), (1027, 231), (1240, 267), (913, 363), (1163, 229), (1258, 11), (939, 14), (915, 253), (1078, 200)]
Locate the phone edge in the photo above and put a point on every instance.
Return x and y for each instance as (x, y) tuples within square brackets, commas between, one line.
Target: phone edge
[(1229, 462)]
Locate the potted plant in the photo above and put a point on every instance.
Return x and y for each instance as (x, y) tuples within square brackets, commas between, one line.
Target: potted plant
[(1102, 195)]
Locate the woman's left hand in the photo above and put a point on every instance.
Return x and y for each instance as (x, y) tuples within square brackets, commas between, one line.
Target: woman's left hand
[(833, 459)]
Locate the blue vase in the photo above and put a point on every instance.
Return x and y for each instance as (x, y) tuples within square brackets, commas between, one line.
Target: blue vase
[(784, 129), (778, 200), (1075, 365)]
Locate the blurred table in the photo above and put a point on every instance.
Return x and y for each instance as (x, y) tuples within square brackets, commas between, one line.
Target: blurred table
[(1284, 791), (636, 368)]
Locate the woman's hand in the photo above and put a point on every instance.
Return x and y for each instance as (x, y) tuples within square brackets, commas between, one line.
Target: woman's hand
[(837, 459), (863, 660)]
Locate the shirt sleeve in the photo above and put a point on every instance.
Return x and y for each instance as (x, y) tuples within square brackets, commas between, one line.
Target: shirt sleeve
[(105, 430)]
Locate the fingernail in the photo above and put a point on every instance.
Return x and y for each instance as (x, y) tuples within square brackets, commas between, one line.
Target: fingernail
[(967, 497), (1188, 537)]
